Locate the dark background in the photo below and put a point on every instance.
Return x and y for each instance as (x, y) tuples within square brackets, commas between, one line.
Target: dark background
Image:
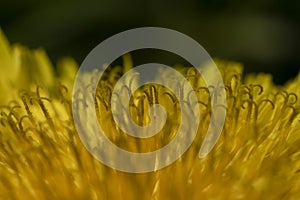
[(263, 34)]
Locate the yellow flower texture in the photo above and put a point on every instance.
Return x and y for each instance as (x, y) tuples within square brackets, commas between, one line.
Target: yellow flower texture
[(41, 155)]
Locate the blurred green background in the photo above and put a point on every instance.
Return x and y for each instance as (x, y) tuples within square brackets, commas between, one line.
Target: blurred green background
[(263, 34)]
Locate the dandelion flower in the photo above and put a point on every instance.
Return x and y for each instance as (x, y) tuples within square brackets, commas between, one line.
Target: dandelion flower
[(42, 157)]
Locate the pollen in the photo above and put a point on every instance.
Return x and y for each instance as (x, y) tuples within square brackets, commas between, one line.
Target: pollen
[(42, 157)]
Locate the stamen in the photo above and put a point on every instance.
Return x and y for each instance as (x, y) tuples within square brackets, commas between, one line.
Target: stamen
[(63, 90), (259, 87), (140, 108), (24, 97), (234, 83), (21, 122), (266, 101), (172, 97), (252, 109), (152, 95)]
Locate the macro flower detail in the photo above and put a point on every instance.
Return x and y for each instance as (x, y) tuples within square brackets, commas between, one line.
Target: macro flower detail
[(41, 156)]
